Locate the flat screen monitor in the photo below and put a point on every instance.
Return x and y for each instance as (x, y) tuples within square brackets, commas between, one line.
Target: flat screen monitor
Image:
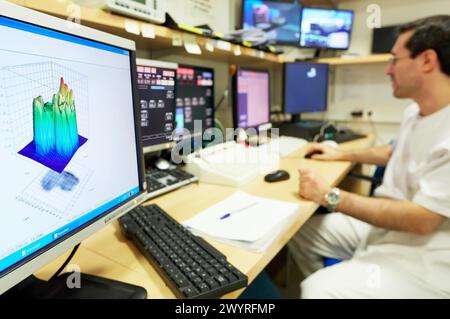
[(194, 99), (384, 38), (156, 93), (280, 19), (305, 87), (71, 157), (252, 98), (325, 28)]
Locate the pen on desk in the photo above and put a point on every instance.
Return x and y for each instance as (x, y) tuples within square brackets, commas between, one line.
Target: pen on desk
[(237, 210)]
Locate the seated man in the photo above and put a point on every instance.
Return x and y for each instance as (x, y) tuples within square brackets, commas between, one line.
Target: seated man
[(396, 244)]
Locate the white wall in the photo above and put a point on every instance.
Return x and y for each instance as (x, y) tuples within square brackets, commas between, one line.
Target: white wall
[(392, 12), (366, 87), (216, 13)]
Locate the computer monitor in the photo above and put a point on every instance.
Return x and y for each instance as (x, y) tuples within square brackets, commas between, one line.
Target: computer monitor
[(383, 39), (156, 93), (194, 98), (305, 87), (280, 19), (251, 98), (71, 156), (326, 28)]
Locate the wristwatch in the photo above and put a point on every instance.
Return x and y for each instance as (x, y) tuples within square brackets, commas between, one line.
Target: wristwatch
[(333, 198)]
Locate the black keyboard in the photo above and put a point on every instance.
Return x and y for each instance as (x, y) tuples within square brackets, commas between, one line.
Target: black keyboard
[(190, 266), (342, 137), (161, 182)]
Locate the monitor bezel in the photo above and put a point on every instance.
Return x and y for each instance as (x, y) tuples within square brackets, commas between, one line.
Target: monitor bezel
[(159, 64), (327, 48), (235, 97), (17, 272), (286, 43), (208, 69), (285, 66)]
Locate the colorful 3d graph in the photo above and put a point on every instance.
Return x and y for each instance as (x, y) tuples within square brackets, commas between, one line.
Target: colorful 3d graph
[(55, 130)]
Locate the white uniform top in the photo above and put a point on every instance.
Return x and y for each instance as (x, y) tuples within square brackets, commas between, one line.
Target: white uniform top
[(419, 171)]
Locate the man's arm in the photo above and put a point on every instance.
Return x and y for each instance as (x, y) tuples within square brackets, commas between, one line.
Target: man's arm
[(379, 155), (390, 214), (381, 212)]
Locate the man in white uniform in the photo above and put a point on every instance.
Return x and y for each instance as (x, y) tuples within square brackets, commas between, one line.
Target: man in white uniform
[(396, 244)]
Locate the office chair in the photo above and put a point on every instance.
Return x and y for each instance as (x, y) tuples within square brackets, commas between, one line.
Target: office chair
[(375, 180)]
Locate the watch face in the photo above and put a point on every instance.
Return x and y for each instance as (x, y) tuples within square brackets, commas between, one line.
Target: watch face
[(333, 198)]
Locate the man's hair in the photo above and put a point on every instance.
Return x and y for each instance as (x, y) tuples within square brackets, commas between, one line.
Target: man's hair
[(430, 33)]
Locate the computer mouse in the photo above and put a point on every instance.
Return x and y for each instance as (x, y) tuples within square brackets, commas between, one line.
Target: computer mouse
[(277, 176), (162, 164), (309, 155)]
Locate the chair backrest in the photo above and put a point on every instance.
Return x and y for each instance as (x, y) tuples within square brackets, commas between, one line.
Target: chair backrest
[(377, 178)]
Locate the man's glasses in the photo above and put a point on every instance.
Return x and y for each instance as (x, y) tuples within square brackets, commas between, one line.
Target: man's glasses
[(393, 60)]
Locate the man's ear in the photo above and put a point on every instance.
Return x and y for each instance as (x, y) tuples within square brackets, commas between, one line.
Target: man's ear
[(430, 61)]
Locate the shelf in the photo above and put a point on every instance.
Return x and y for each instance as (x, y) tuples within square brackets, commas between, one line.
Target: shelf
[(375, 58), (163, 40)]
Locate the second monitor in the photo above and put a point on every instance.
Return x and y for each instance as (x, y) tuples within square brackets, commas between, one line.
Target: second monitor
[(305, 88), (156, 91), (194, 98), (252, 99)]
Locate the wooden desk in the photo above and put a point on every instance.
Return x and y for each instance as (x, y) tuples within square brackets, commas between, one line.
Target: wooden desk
[(109, 254)]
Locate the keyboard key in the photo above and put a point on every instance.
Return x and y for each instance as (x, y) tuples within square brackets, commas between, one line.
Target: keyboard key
[(189, 291)]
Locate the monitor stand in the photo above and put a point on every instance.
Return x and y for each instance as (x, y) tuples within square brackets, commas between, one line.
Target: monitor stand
[(306, 129), (90, 287), (307, 124), (317, 53)]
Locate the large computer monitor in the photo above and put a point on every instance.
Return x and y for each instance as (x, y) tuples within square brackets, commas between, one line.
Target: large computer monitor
[(305, 87), (280, 19), (326, 28), (194, 98), (71, 156), (156, 93), (251, 98)]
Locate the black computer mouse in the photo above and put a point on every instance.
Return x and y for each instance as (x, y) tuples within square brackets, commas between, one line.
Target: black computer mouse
[(277, 176), (309, 155)]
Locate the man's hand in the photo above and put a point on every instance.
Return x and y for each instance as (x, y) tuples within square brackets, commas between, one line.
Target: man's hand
[(312, 186), (328, 153)]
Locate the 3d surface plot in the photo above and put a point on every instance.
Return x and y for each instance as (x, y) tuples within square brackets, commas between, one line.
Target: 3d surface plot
[(55, 130)]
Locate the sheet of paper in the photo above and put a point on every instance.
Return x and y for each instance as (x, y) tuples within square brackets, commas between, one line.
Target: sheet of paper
[(177, 40), (250, 218), (148, 31), (191, 45), (132, 27)]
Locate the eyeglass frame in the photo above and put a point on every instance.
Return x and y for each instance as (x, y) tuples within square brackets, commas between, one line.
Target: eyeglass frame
[(393, 60)]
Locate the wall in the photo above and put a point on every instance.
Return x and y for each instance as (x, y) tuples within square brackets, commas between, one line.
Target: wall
[(216, 13)]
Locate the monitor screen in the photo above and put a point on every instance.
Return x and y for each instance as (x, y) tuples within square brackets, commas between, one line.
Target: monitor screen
[(279, 19), (252, 103), (156, 93), (194, 98), (324, 28), (305, 87), (70, 155)]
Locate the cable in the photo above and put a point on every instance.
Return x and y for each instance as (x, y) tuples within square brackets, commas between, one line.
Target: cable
[(219, 125), (224, 96), (374, 129), (74, 250), (322, 130)]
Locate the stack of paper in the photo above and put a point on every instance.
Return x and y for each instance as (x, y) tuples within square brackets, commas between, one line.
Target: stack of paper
[(244, 220), (287, 145)]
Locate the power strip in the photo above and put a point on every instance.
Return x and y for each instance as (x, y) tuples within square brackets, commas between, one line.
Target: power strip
[(152, 11)]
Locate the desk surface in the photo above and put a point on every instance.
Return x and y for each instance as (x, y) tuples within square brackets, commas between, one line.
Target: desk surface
[(109, 254)]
